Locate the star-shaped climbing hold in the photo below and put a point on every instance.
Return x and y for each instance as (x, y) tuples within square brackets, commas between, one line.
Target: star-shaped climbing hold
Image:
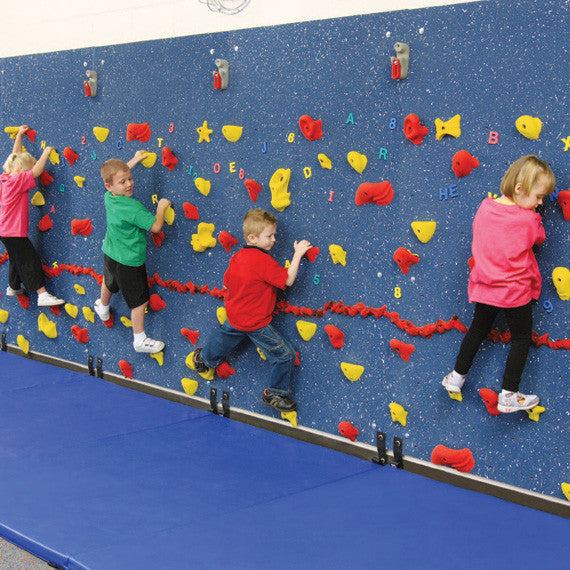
[(534, 413), (566, 142), (204, 132)]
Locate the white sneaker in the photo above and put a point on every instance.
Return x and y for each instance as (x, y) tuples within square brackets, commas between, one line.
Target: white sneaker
[(14, 292), (515, 402), (103, 312), (48, 300), (453, 382), (149, 346)]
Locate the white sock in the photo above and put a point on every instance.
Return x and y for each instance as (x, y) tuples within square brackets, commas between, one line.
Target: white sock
[(103, 306), (458, 376), (139, 337)]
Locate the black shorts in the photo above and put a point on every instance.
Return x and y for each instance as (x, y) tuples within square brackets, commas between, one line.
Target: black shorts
[(132, 282)]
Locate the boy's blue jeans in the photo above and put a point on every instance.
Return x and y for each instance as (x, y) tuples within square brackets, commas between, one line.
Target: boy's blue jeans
[(279, 352)]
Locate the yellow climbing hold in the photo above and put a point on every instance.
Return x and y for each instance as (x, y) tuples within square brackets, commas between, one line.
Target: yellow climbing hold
[(89, 314), (208, 375), (424, 230), (279, 183), (101, 133), (190, 386), (149, 159), (338, 254), (352, 371), (456, 396), (566, 489), (23, 343), (534, 413), (12, 131), (324, 161), (398, 413), (451, 127), (169, 215), (204, 132), (71, 310), (159, 357), (54, 156), (528, 126), (561, 279), (127, 322), (357, 161), (290, 417), (79, 180), (46, 326), (306, 329), (232, 132), (38, 199), (203, 185), (204, 238), (260, 352), (79, 289), (4, 315), (221, 315)]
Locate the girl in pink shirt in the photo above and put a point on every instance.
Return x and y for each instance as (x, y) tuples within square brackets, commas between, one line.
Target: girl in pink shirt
[(20, 171), (505, 275)]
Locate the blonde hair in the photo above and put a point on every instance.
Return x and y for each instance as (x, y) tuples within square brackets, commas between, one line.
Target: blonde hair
[(526, 171), (19, 160), (256, 220), (111, 167)]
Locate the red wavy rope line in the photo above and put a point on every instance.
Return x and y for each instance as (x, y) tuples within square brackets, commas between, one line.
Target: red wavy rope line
[(426, 331)]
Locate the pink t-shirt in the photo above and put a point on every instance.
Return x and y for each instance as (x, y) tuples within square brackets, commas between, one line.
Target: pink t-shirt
[(14, 203), (505, 273)]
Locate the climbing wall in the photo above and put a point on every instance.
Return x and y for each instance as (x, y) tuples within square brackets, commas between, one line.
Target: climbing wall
[(474, 70)]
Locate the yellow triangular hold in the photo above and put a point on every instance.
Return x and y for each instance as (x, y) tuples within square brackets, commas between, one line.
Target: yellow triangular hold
[(456, 396), (261, 354), (338, 254), (324, 161), (534, 413), (279, 184), (71, 310), (203, 185), (306, 329), (357, 161), (79, 289), (127, 322), (54, 156), (290, 417), (221, 315), (352, 371), (232, 132), (38, 199), (169, 215), (23, 344), (101, 133), (424, 230), (566, 489), (4, 315), (398, 413), (79, 180), (208, 375), (190, 386), (46, 326), (159, 357), (89, 314)]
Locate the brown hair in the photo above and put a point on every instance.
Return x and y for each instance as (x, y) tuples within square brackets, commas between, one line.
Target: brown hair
[(526, 171), (256, 220), (111, 167)]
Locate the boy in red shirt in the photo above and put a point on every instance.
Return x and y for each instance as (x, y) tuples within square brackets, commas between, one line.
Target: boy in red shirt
[(251, 280)]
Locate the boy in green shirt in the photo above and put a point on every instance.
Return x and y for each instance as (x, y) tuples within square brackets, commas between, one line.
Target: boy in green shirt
[(124, 247)]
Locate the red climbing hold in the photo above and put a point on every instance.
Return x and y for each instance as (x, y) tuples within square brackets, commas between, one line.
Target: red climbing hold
[(81, 335), (253, 188), (460, 459), (126, 369), (336, 336), (380, 193), (168, 158), (45, 223), (405, 259), (413, 130), (83, 227), (156, 302), (227, 240), (45, 178), (138, 132), (70, 155), (190, 211), (311, 128), (463, 163), (312, 253), (31, 134), (564, 201), (403, 349), (158, 238), (56, 309), (110, 321), (297, 359), (191, 335), (348, 430), (491, 399), (224, 370), (24, 301)]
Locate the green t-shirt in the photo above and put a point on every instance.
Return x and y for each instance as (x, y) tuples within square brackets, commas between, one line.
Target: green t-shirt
[(127, 223)]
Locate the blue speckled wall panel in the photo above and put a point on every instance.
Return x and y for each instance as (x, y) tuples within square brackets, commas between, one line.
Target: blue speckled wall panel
[(490, 62)]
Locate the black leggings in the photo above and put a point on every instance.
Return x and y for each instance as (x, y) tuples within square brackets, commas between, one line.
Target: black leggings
[(520, 325), (25, 264)]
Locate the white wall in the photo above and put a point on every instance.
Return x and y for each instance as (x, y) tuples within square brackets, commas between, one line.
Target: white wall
[(38, 26)]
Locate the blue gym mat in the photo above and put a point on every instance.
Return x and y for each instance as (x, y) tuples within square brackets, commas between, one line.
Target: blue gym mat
[(94, 475)]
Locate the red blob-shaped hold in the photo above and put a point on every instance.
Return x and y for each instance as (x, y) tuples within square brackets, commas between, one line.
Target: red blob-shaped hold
[(168, 158), (156, 302), (403, 349), (491, 399), (56, 310), (312, 253), (253, 188), (413, 130), (110, 321), (224, 370), (336, 336), (158, 238), (83, 227), (380, 193), (405, 259), (138, 132), (24, 301), (460, 459), (191, 335), (70, 155), (348, 430), (31, 134), (564, 201), (312, 129), (463, 163), (227, 240), (81, 335), (45, 223), (126, 368), (190, 211), (45, 178)]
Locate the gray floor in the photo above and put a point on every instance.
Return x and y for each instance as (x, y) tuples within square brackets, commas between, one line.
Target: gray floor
[(12, 558)]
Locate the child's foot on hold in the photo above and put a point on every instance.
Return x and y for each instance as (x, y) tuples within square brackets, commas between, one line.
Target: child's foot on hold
[(103, 312), (199, 364), (48, 300), (148, 346), (453, 382), (280, 403), (14, 292), (515, 401)]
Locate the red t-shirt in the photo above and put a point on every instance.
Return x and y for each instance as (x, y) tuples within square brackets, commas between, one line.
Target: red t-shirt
[(14, 210), (505, 273), (251, 280)]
